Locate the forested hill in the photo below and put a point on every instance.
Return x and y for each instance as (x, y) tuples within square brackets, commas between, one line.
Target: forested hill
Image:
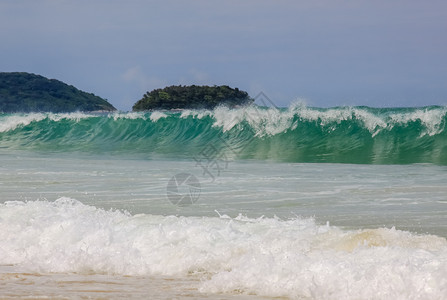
[(26, 92), (192, 97)]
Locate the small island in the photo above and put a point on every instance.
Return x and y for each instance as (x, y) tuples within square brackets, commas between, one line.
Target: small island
[(192, 97), (26, 92)]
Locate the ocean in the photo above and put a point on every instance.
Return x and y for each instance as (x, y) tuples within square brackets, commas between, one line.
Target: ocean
[(246, 203)]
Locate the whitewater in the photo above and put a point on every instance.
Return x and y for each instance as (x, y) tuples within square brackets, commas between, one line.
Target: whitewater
[(299, 203)]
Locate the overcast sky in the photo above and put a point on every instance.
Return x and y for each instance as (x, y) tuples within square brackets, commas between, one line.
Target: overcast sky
[(325, 52)]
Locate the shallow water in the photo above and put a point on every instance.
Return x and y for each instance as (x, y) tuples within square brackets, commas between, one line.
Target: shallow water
[(77, 225), (14, 284), (408, 197)]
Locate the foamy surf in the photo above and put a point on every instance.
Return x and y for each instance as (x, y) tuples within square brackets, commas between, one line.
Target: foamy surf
[(295, 258)]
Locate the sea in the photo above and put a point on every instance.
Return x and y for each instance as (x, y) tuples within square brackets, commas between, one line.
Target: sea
[(244, 203)]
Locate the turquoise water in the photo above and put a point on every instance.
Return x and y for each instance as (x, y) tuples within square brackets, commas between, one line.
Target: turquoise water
[(297, 134), (302, 203)]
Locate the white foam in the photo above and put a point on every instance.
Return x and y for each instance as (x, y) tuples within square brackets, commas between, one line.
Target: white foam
[(11, 122), (266, 256), (199, 114), (372, 123), (128, 115), (264, 121), (157, 115), (272, 121), (431, 119), (74, 116)]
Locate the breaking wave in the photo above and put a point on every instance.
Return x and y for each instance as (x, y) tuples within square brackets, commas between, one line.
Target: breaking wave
[(294, 258), (296, 134)]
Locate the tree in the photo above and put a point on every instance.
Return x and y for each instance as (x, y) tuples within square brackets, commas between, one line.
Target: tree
[(192, 97), (25, 92)]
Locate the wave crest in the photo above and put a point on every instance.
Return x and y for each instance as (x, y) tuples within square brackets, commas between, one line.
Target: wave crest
[(295, 134)]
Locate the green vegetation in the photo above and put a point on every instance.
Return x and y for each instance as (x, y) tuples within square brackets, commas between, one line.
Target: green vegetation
[(25, 92), (192, 97)]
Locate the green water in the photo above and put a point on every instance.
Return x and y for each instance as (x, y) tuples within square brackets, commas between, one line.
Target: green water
[(298, 134)]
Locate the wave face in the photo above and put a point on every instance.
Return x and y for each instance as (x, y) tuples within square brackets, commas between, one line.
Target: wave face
[(296, 134), (266, 256)]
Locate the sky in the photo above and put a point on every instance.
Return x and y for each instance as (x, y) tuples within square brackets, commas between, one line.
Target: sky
[(324, 53)]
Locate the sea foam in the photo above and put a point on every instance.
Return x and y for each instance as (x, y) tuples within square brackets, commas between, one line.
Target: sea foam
[(11, 122), (296, 258)]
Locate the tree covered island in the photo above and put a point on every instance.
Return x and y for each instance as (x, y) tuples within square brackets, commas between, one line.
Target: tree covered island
[(26, 92), (192, 97)]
